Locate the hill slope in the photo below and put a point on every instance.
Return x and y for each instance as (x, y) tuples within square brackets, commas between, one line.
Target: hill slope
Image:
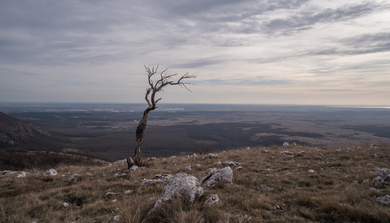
[(18, 133), (324, 184)]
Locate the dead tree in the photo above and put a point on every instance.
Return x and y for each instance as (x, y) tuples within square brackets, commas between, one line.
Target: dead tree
[(163, 81)]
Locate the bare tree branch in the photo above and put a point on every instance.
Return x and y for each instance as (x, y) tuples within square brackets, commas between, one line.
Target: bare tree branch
[(155, 87)]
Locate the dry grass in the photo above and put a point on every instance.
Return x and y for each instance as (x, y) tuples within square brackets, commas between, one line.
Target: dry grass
[(330, 194)]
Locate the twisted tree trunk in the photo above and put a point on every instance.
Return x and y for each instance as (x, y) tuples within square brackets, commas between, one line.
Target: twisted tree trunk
[(154, 88)]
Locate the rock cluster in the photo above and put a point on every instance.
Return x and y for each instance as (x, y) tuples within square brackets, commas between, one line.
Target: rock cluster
[(182, 185)]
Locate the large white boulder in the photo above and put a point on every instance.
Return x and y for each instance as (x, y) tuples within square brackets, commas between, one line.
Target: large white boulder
[(215, 175), (183, 185)]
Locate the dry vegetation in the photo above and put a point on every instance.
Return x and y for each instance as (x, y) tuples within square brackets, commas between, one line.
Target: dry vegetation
[(335, 192)]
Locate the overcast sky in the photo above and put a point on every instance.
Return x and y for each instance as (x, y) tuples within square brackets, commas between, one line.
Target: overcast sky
[(330, 52)]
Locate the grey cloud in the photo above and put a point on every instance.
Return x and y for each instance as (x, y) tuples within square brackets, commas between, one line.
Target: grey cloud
[(363, 44), (197, 63), (306, 19), (253, 81)]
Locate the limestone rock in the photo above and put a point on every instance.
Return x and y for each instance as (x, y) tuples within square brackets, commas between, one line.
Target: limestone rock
[(239, 168), (286, 153), (311, 171), (21, 175), (217, 163), (127, 192), (133, 168), (385, 200), (211, 199), (387, 179), (231, 163), (157, 179), (117, 217), (215, 175), (377, 180), (285, 144), (188, 167), (212, 155), (72, 177), (183, 185), (51, 172), (382, 172), (7, 173), (120, 162), (264, 187), (151, 182), (194, 155)]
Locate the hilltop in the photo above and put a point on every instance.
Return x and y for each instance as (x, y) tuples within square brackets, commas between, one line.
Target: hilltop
[(273, 184)]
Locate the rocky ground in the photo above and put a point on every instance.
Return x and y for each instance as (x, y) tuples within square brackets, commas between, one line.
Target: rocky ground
[(288, 183)]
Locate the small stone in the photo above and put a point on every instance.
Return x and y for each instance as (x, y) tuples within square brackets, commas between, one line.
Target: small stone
[(382, 172), (65, 204), (285, 144), (113, 201), (72, 177), (264, 187), (21, 175), (377, 181), (120, 162), (127, 192), (133, 168), (366, 181), (286, 153), (211, 199), (110, 193), (239, 168), (311, 171), (369, 164), (212, 155), (194, 155), (172, 157), (198, 165), (385, 200), (248, 148), (217, 163), (231, 163), (51, 172), (117, 217), (188, 167), (88, 174)]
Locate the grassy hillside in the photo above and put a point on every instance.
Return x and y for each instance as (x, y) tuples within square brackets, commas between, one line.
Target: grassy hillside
[(335, 192)]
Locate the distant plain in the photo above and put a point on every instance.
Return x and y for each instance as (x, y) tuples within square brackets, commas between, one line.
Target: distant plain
[(108, 130)]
